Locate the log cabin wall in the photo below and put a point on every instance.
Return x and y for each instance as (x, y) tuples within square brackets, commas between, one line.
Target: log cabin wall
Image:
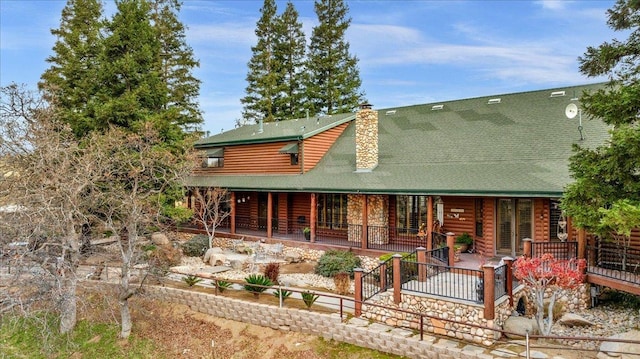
[(300, 207), (462, 218), (541, 220), (315, 147), (283, 212), (263, 158), (485, 245)]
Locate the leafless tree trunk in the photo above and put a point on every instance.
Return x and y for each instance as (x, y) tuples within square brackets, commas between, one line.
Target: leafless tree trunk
[(47, 178), (211, 209)]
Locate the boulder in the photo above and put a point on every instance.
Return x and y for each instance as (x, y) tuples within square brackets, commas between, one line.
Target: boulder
[(236, 264), (159, 239), (518, 327), (574, 320), (619, 349), (214, 257), (293, 258)]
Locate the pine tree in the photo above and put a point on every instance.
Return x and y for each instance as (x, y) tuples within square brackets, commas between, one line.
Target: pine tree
[(133, 90), (263, 69), (290, 54), (605, 197), (176, 64), (71, 79), (333, 81)]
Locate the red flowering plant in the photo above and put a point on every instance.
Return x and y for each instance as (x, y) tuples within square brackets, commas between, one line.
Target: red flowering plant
[(547, 272)]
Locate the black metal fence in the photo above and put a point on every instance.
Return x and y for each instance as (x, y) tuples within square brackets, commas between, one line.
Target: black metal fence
[(445, 281), (377, 280), (560, 250), (614, 261), (500, 281)]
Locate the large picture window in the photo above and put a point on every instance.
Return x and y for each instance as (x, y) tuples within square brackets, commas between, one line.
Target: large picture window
[(411, 213), (332, 211)]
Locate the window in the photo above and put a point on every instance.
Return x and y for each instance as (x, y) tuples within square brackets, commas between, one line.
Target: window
[(332, 211), (479, 215), (411, 212), (213, 162), (214, 158), (294, 159)]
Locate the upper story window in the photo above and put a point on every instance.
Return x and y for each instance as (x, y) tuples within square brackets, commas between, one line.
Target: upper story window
[(214, 157), (292, 150)]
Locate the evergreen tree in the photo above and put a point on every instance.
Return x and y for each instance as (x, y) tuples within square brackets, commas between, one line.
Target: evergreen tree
[(262, 76), (71, 79), (605, 197), (290, 54), (333, 81), (176, 63), (133, 90)]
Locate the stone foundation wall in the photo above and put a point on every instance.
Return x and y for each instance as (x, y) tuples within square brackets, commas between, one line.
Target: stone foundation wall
[(465, 316)]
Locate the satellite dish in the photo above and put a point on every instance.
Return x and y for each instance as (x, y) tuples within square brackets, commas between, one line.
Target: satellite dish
[(571, 111)]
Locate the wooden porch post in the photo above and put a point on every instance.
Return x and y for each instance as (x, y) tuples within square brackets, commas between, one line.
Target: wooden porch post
[(429, 220), (383, 275), (489, 291), (582, 243), (526, 244), (509, 277), (357, 281), (397, 279), (233, 213), (314, 216), (422, 266), (451, 240), (365, 223), (269, 214)]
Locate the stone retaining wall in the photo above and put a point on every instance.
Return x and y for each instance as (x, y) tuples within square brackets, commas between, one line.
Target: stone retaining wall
[(328, 326), (454, 318), (573, 300)]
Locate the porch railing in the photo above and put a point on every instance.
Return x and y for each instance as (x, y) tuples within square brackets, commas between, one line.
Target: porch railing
[(377, 280), (614, 261), (560, 250)]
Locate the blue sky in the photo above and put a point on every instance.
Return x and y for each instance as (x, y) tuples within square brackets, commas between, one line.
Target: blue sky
[(410, 51)]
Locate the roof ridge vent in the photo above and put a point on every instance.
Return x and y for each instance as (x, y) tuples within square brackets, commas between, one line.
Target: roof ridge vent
[(437, 107), (494, 101), (390, 112), (558, 94)]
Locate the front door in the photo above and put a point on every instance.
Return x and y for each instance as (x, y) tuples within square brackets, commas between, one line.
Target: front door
[(515, 223)]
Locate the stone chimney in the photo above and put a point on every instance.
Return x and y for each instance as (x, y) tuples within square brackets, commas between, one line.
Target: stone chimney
[(366, 139)]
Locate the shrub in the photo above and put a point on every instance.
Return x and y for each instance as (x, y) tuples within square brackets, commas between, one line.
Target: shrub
[(309, 298), (334, 261), (196, 246), (191, 280), (162, 258), (221, 285), (272, 271), (281, 293), (342, 282), (464, 238), (257, 284)]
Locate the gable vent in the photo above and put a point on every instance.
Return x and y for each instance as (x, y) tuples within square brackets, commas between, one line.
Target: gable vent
[(557, 94), (437, 107), (494, 101), (390, 112)]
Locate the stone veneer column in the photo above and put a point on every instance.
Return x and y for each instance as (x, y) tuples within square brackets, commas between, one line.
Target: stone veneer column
[(366, 138)]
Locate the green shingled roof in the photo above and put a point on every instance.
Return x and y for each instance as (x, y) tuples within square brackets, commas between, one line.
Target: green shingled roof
[(517, 147)]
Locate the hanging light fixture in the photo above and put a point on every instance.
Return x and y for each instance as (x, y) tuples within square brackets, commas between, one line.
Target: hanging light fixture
[(562, 228)]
